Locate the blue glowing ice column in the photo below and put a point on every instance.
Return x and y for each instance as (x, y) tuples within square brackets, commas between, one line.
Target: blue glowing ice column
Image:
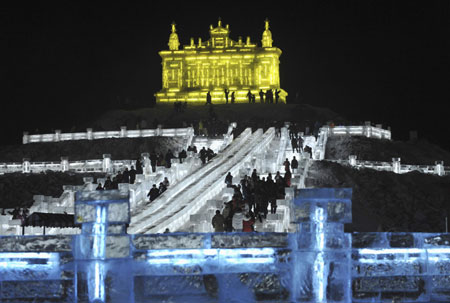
[(102, 242), (321, 248)]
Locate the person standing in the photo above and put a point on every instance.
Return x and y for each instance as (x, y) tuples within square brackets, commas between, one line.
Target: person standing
[(261, 96), (249, 96), (247, 223), (232, 98), (226, 95), (208, 98), (132, 175), (218, 222)]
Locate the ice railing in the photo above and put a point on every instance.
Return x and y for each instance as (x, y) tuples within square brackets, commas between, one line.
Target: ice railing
[(395, 166), (64, 204), (318, 148), (105, 165), (364, 130), (317, 263), (122, 133)]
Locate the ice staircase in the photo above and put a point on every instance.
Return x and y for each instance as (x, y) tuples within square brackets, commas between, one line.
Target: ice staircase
[(271, 162), (185, 199)]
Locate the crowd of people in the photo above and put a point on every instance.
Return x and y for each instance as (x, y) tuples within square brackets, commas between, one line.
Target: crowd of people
[(269, 96), (251, 199)]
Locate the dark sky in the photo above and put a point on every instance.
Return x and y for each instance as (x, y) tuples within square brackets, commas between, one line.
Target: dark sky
[(384, 61)]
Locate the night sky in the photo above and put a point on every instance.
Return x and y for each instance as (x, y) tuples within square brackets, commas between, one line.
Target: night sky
[(384, 61)]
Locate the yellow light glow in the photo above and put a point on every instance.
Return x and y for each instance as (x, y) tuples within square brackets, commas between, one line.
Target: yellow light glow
[(218, 64)]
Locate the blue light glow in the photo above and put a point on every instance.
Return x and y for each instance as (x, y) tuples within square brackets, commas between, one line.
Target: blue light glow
[(196, 256), (28, 259)]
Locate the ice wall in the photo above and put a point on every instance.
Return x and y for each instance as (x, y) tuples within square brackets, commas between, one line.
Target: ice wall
[(318, 263)]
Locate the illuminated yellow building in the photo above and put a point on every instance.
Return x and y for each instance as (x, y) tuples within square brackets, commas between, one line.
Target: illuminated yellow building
[(217, 65)]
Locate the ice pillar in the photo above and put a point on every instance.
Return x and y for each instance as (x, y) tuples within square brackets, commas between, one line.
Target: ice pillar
[(123, 131), (106, 164), (321, 250), (396, 166), (103, 216), (25, 138), (439, 168), (26, 166), (89, 134), (64, 164)]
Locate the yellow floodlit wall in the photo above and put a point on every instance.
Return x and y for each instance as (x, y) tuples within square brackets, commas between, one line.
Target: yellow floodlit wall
[(219, 64)]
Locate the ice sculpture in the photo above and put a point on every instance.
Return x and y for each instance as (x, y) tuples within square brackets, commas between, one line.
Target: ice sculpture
[(318, 263)]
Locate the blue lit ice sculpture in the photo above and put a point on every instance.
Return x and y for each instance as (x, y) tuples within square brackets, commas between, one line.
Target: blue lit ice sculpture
[(318, 263), (321, 251)]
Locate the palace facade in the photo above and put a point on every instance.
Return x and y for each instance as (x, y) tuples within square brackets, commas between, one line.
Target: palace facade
[(220, 64)]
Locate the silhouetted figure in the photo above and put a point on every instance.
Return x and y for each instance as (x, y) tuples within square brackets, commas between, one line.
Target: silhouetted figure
[(108, 183), (294, 163), (15, 213), (229, 180), (99, 186), (126, 176), (210, 154), (167, 231), (261, 96), (203, 155), (286, 164), (114, 183), (119, 177), (269, 96), (162, 188), (182, 155), (153, 193), (277, 96), (232, 98), (253, 99), (169, 156), (218, 222), (139, 169), (300, 143), (153, 161), (132, 175), (208, 98), (249, 96), (294, 144), (226, 95)]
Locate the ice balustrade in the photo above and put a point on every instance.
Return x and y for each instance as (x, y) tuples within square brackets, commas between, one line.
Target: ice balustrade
[(317, 263), (365, 130), (395, 166), (203, 186), (122, 133)]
